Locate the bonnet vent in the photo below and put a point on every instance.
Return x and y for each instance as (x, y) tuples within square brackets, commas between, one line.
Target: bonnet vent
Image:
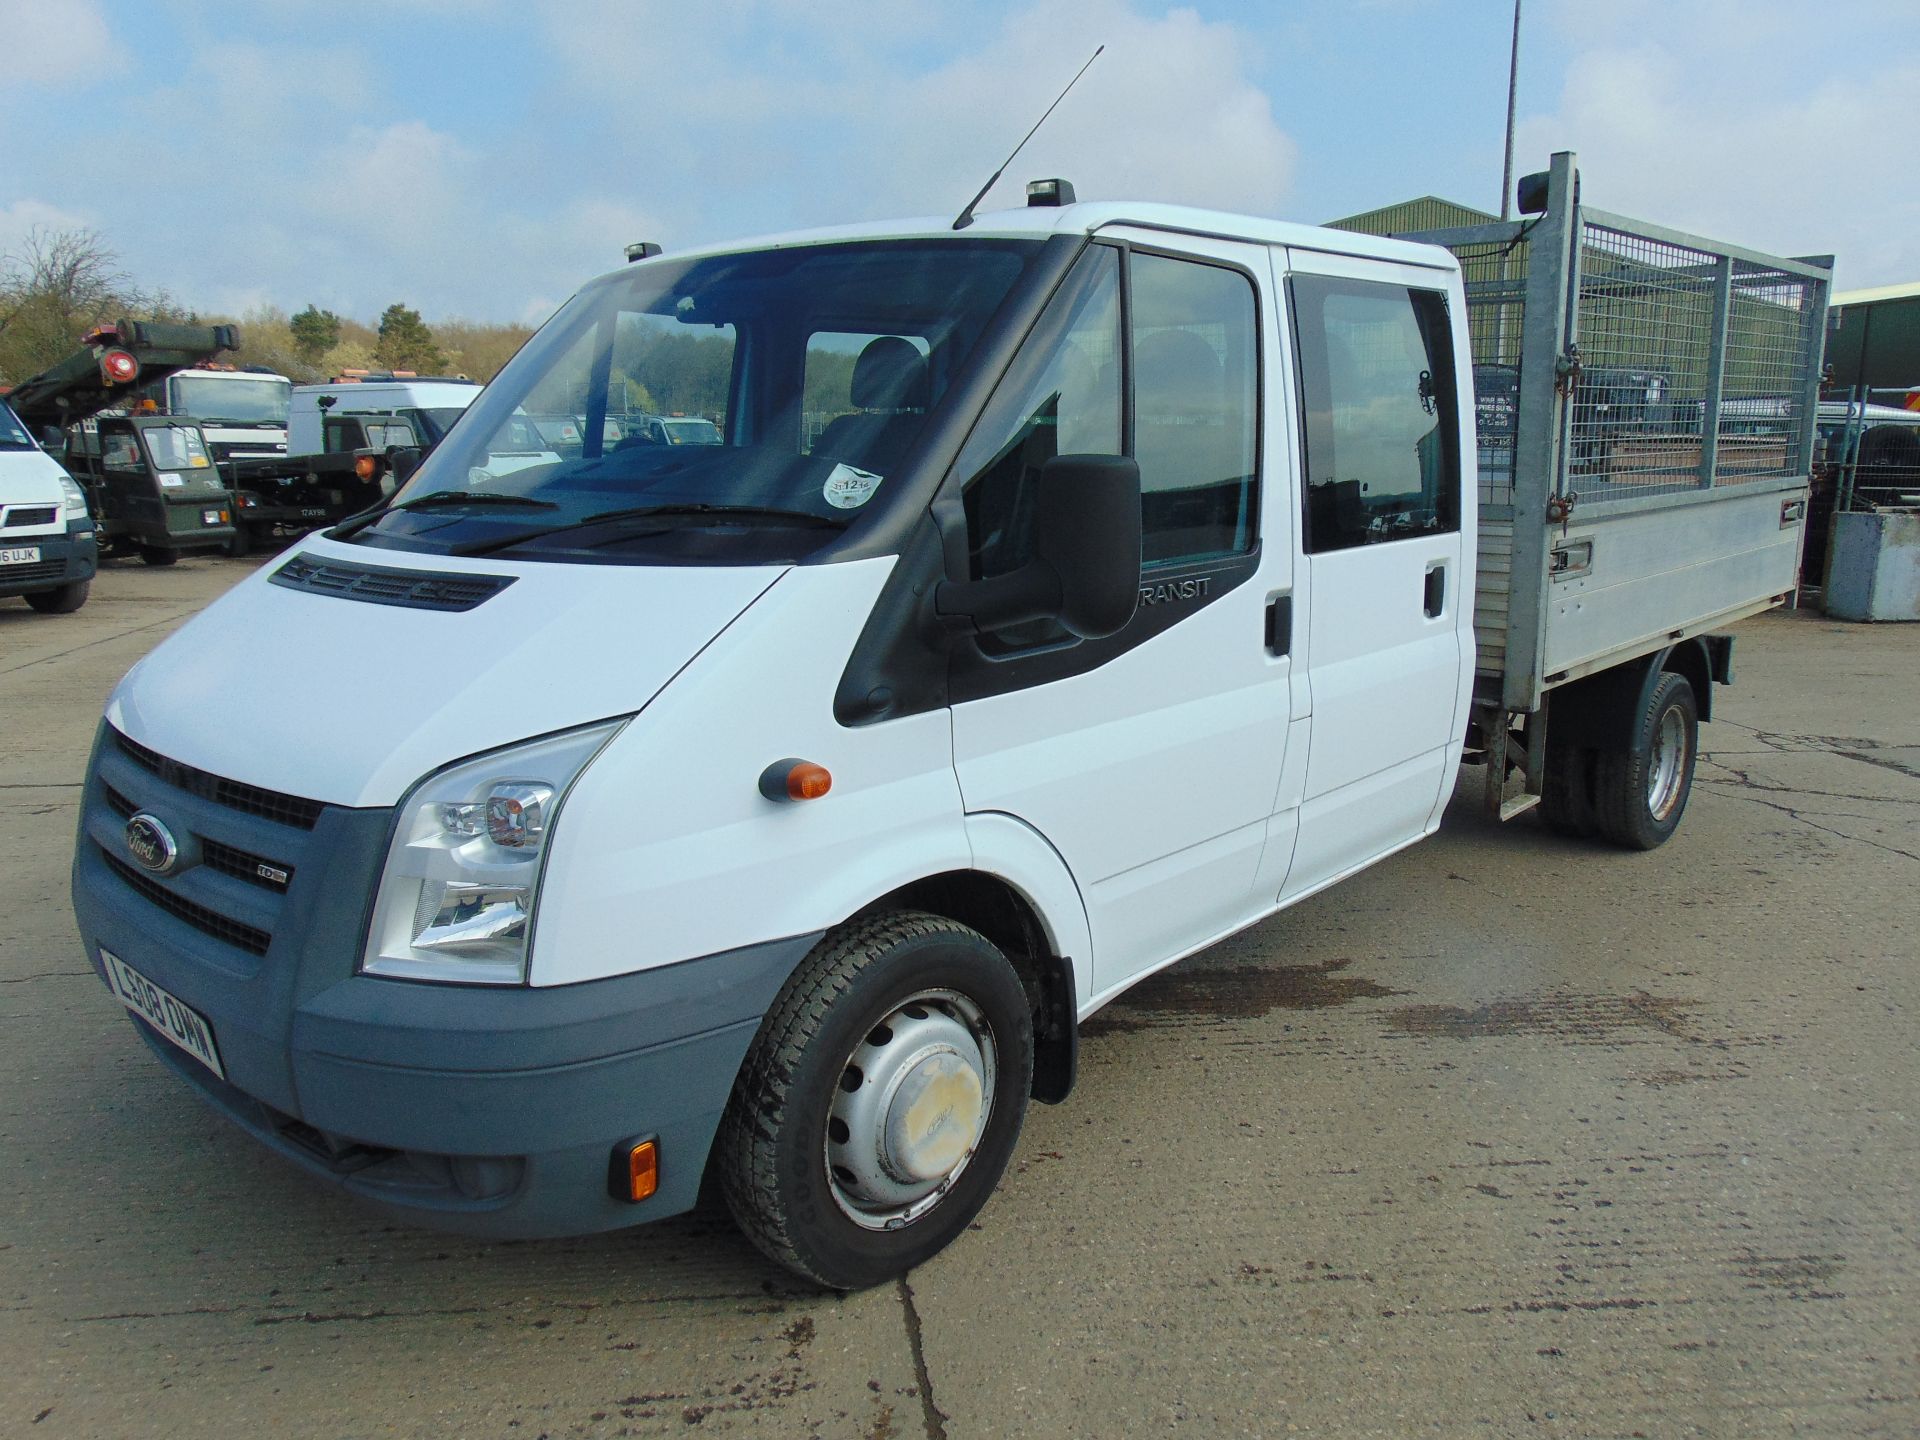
[(383, 585)]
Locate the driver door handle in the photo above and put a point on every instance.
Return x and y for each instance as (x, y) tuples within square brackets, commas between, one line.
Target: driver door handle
[(1436, 597)]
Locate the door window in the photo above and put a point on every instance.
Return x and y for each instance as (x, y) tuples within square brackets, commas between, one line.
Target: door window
[(1195, 376), (1195, 369), (1377, 394), (1061, 396)]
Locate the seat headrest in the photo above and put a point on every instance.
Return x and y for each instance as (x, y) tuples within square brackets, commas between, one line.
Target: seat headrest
[(890, 375)]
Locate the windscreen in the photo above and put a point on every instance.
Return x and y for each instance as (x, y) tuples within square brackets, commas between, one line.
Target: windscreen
[(176, 447), (673, 401), (241, 400), (13, 435)]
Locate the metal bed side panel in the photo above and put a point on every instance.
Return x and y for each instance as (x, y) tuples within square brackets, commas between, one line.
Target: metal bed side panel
[(1657, 574)]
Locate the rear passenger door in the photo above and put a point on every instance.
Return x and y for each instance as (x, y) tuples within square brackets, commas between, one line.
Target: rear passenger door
[(1149, 760), (1381, 507)]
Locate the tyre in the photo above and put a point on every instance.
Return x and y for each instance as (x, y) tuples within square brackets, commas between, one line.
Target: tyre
[(881, 1100), (1566, 792), (1641, 792), (158, 555), (242, 542), (64, 601)]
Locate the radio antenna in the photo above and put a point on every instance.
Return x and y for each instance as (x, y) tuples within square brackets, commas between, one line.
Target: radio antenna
[(965, 218)]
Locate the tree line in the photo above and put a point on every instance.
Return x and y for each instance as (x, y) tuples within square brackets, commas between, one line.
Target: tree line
[(59, 284)]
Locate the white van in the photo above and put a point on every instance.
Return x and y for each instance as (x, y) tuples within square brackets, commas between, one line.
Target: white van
[(48, 549), (429, 406), (782, 806)]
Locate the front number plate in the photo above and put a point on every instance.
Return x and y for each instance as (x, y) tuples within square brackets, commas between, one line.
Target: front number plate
[(21, 555), (173, 1018)]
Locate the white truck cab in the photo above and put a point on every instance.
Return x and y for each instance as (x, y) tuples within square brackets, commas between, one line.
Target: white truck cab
[(48, 546), (784, 805), (243, 413)]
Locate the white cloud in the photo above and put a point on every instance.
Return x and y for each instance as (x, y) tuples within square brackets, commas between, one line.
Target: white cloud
[(23, 217), (1710, 124), (55, 42)]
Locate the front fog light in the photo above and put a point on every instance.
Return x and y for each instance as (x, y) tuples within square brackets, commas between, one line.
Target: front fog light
[(462, 880)]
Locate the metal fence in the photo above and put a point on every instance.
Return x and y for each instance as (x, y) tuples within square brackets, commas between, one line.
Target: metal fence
[(1681, 364)]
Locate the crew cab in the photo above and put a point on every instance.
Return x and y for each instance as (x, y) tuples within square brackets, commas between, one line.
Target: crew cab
[(779, 808)]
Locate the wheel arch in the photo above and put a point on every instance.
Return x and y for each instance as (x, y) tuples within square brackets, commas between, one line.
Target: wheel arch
[(1598, 710), (1005, 915)]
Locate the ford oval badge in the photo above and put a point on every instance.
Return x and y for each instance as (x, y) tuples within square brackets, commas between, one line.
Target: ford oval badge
[(151, 843)]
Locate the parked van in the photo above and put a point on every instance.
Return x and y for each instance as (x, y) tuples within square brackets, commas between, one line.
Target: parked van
[(427, 405), (781, 807), (47, 548)]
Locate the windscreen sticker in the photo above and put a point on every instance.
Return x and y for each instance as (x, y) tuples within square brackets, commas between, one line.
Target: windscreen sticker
[(172, 480), (848, 488)]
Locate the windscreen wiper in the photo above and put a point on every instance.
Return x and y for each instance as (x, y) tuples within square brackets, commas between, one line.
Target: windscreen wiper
[(636, 512), (435, 500)]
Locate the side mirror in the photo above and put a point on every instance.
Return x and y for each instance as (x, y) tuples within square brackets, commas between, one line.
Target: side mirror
[(1085, 571), (403, 461)]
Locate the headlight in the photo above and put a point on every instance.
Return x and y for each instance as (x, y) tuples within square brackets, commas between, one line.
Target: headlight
[(73, 500), (462, 879)]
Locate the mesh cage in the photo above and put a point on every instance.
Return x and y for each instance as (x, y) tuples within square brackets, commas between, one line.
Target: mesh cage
[(1496, 284), (1678, 343)]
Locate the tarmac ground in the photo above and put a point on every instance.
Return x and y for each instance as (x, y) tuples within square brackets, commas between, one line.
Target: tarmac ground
[(1509, 1135)]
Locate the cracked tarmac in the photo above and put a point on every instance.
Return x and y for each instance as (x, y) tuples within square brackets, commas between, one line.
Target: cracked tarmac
[(1510, 1135)]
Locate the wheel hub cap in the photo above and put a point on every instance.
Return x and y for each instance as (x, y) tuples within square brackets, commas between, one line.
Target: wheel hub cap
[(913, 1102)]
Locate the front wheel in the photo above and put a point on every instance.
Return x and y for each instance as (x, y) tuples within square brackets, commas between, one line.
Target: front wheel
[(158, 555), (1641, 791), (881, 1100), (64, 601)]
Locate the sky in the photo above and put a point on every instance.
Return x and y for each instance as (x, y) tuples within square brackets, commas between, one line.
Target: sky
[(482, 158)]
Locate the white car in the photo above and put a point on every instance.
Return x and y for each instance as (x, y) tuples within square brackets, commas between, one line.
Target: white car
[(48, 551)]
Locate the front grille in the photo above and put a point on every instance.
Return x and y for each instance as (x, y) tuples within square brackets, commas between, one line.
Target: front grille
[(250, 799), (254, 869), (41, 570), (22, 515), (117, 802), (383, 585), (243, 937)]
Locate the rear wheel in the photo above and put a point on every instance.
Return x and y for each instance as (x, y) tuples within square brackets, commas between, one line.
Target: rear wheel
[(158, 555), (881, 1100), (64, 601), (1566, 792), (1641, 791)]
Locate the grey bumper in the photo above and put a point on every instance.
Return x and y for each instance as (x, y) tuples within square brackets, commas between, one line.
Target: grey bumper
[(64, 560), (489, 1111)]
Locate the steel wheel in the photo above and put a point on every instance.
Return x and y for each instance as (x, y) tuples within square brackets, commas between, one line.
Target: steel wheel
[(879, 1104), (1668, 763), (914, 1099)]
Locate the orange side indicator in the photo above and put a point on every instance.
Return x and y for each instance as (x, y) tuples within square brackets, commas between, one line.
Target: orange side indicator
[(794, 779), (643, 1170), (808, 782)]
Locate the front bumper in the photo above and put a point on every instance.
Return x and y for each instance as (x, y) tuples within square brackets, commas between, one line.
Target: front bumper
[(491, 1111), (65, 559)]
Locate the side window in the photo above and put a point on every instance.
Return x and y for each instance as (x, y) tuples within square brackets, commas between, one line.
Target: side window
[(1061, 396), (119, 451), (1195, 373), (1377, 392)]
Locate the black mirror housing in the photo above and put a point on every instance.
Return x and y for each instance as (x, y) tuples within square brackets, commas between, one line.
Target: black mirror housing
[(403, 460), (1085, 571)]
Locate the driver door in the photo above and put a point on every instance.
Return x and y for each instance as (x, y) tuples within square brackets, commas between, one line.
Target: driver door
[(1149, 760)]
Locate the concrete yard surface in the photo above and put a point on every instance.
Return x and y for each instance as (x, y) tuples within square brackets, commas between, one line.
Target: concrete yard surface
[(1510, 1135)]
